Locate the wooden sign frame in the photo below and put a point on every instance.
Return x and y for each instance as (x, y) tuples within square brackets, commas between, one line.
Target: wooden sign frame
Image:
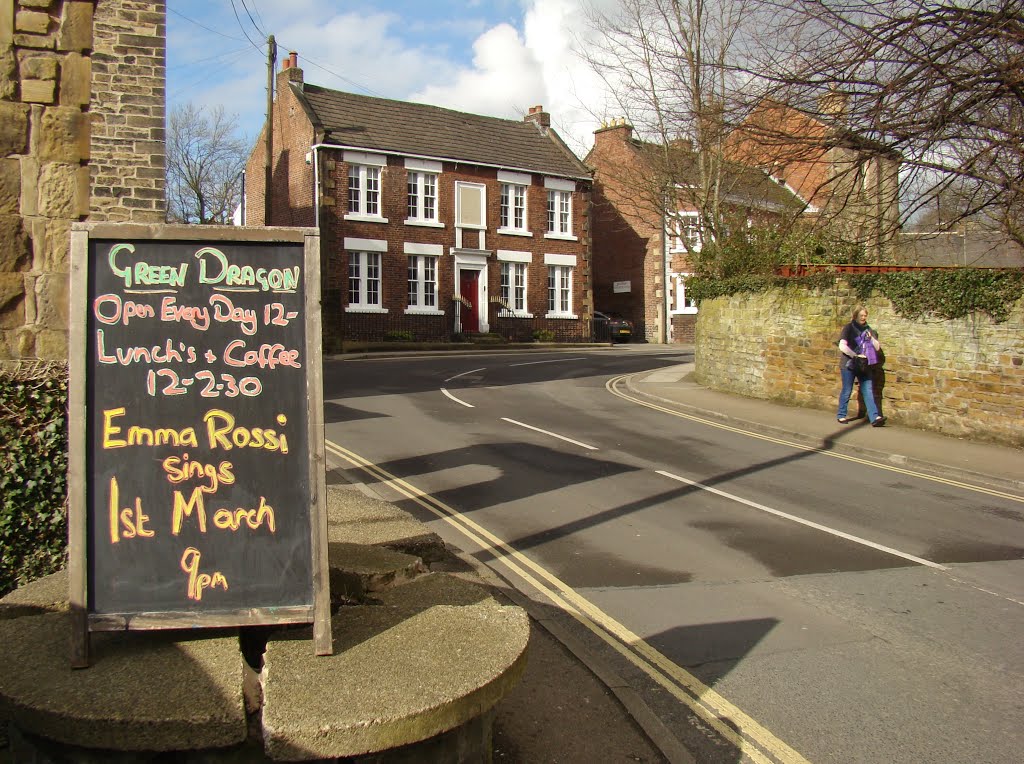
[(87, 312)]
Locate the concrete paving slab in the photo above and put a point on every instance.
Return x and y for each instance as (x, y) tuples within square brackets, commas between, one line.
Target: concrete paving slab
[(145, 691), (398, 675), (48, 594), (436, 589), (358, 570), (355, 518)]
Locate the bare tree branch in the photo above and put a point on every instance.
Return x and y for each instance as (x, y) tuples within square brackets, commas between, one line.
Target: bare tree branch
[(205, 159)]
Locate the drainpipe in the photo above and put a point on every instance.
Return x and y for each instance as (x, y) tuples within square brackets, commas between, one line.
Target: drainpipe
[(316, 182), (664, 282)]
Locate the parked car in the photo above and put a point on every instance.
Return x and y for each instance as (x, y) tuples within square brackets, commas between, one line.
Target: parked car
[(611, 327)]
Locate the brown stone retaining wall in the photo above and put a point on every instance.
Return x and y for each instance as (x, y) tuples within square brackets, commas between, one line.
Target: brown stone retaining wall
[(962, 378), (76, 109)]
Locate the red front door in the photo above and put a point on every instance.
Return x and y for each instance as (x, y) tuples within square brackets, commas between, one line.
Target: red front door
[(468, 288)]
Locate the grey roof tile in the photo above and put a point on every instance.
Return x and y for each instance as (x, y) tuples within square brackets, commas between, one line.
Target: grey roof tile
[(418, 129)]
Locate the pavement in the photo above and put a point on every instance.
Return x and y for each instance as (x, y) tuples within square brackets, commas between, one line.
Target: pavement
[(948, 457)]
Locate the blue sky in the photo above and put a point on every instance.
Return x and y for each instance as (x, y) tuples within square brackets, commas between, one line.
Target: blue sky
[(494, 57)]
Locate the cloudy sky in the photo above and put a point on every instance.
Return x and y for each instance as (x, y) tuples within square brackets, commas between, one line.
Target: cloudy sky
[(493, 57)]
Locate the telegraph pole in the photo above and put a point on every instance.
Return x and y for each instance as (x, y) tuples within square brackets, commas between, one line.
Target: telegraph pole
[(268, 160)]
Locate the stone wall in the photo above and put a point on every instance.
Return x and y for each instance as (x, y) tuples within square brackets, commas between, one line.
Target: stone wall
[(962, 378), (56, 140)]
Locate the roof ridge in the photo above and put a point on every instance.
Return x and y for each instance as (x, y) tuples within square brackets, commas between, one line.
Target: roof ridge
[(375, 123), (418, 104)]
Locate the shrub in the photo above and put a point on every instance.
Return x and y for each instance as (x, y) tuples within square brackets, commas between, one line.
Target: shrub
[(544, 335), (33, 472), (398, 335)]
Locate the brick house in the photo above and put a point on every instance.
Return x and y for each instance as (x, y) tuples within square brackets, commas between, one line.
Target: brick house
[(850, 180), (433, 222), (638, 248)]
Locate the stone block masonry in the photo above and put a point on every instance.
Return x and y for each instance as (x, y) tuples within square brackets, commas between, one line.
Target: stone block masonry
[(81, 138), (961, 378)]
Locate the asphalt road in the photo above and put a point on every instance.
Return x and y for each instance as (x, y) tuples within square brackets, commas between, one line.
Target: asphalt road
[(767, 604)]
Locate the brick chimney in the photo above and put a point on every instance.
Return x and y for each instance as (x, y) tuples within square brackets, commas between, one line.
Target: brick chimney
[(618, 130), (538, 115), (290, 71)]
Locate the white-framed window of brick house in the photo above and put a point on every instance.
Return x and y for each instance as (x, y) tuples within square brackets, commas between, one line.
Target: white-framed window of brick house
[(514, 271), (470, 205), (560, 193), (365, 275), (686, 232), (365, 171), (680, 302), (560, 275), (422, 278), (513, 218), (421, 192)]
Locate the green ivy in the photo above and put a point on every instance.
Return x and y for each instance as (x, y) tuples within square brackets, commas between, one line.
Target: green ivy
[(707, 288), (33, 472), (945, 294), (942, 294)]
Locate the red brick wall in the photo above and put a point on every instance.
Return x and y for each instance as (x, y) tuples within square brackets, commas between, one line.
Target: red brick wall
[(627, 247), (292, 177), (789, 145), (684, 327), (393, 206)]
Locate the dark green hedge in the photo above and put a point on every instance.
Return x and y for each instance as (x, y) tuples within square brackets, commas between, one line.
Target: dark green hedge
[(33, 472)]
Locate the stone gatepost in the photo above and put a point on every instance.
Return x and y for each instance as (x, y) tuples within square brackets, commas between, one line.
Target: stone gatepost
[(74, 145)]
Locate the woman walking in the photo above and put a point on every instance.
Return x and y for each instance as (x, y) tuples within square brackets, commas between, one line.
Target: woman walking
[(859, 348)]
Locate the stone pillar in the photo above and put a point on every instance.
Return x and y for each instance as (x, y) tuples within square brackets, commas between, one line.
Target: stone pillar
[(68, 155)]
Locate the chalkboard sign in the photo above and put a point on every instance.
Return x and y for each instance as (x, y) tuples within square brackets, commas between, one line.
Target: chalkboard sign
[(196, 400)]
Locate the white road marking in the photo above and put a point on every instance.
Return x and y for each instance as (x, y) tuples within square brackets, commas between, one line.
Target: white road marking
[(552, 434), (554, 360), (461, 403), (808, 523), (471, 371)]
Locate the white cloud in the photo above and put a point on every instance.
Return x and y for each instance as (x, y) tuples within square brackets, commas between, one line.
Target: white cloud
[(512, 72), (514, 65), (505, 79)]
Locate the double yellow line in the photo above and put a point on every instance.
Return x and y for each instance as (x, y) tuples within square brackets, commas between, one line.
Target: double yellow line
[(732, 724)]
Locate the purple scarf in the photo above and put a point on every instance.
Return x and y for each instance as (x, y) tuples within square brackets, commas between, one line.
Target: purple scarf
[(867, 347)]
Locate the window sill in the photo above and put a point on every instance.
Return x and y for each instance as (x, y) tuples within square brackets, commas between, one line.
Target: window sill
[(685, 312), (423, 312), (514, 314), (514, 232), (561, 236), (365, 218), (424, 223), (561, 315), (364, 309)]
